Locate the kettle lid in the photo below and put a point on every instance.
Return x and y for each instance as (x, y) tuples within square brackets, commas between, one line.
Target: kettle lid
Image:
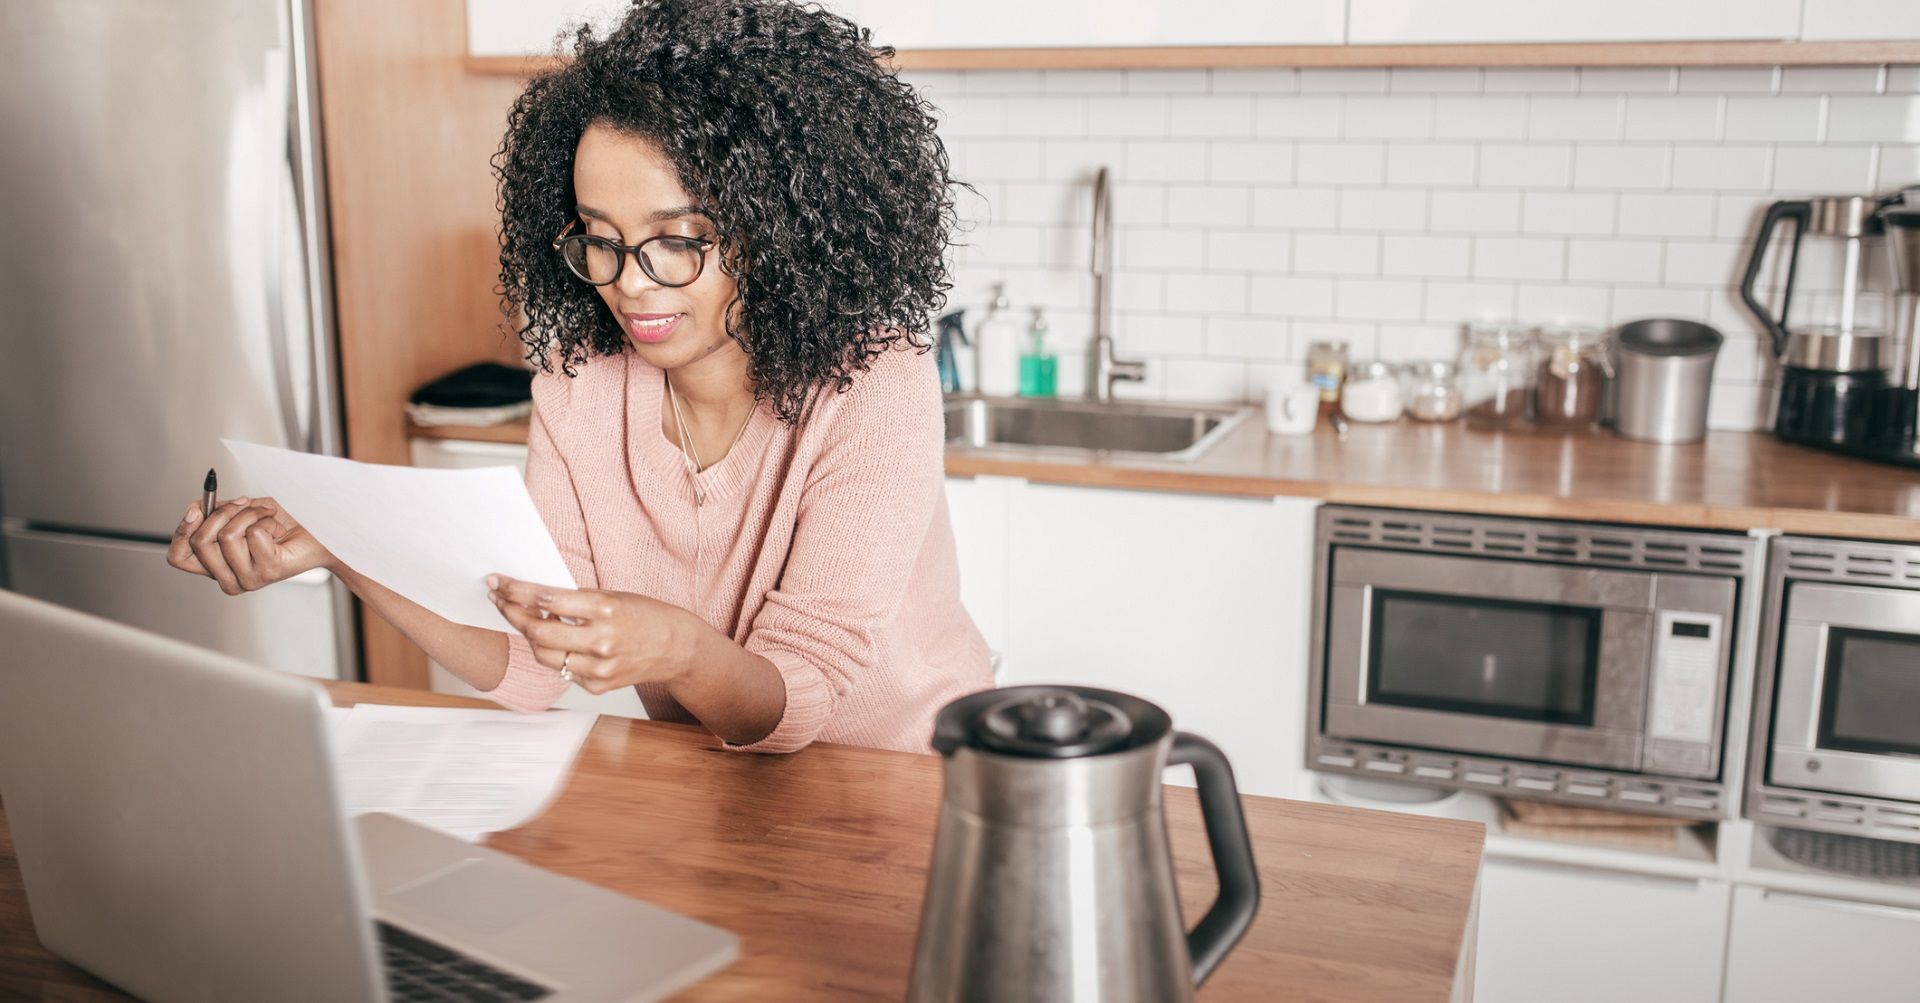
[(1049, 722)]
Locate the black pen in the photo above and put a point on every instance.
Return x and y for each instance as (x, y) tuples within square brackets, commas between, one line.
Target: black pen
[(208, 485)]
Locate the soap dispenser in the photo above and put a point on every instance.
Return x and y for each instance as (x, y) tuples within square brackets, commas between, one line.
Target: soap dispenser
[(1038, 367), (996, 348)]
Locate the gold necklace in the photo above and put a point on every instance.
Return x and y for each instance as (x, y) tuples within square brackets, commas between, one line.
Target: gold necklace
[(688, 450)]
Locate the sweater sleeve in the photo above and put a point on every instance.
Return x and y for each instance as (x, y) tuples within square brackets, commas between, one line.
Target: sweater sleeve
[(528, 685), (862, 520)]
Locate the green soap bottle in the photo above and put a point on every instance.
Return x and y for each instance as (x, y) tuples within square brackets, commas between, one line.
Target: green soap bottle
[(1038, 368)]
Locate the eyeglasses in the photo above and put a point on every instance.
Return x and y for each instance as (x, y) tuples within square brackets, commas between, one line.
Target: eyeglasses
[(669, 259)]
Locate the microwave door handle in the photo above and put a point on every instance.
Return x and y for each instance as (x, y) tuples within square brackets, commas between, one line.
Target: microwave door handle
[(1366, 645), (1817, 693)]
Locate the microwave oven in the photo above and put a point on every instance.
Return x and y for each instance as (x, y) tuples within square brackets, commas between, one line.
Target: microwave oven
[(1837, 702), (1581, 663)]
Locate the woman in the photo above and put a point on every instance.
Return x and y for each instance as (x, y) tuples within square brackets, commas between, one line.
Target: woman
[(723, 228)]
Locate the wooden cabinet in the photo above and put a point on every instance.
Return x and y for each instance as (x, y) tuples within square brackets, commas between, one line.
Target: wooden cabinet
[(1789, 948), (1572, 935)]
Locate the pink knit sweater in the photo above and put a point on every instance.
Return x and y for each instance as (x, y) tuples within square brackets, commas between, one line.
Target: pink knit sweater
[(824, 548)]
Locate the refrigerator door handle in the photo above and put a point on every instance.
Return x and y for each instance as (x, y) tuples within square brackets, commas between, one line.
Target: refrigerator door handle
[(284, 230)]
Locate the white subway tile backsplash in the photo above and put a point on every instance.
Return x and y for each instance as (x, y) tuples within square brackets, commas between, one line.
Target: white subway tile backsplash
[(1694, 119), (1256, 81), (1206, 381), (1475, 212), (1479, 117), (1165, 81), (1400, 117), (1722, 168), (1046, 117), (1648, 214), (1377, 299), (1622, 80), (1832, 79), (1259, 210), (1297, 117), (1574, 118), (1340, 163), (1362, 209), (1874, 119), (1209, 205), (1249, 250), (1173, 250), (1082, 82), (1251, 162), (1077, 160), (1432, 164), (1216, 116), (1613, 261), (1126, 117), (1218, 294), (1296, 208), (1433, 80), (1529, 81), (1567, 212), (1290, 296), (1781, 119), (1519, 258), (1336, 254), (1558, 304), (1422, 255), (1251, 338), (1343, 81), (1613, 167), (1526, 165), (1739, 407), (1729, 79), (1823, 169), (1149, 160), (1460, 302)]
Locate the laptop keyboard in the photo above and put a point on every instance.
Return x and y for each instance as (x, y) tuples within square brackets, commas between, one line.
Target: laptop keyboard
[(423, 970)]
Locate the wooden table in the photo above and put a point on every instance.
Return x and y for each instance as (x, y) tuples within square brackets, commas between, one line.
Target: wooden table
[(817, 861)]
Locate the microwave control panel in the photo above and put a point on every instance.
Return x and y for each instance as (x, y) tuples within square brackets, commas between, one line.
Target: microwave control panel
[(1683, 692)]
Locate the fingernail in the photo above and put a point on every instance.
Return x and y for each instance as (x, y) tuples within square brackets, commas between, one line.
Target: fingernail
[(493, 581), (242, 501), (193, 516)]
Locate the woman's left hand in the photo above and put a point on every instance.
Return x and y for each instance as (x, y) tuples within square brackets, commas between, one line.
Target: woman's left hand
[(605, 640)]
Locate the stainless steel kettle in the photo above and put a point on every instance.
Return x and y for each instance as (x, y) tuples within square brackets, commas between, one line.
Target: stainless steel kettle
[(1052, 876)]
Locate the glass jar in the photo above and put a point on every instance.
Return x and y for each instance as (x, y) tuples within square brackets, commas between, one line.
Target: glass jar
[(1432, 390), (1572, 378), (1372, 393), (1496, 375), (1327, 368)]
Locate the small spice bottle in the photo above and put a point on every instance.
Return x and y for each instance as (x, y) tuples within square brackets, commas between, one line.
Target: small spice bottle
[(1327, 369)]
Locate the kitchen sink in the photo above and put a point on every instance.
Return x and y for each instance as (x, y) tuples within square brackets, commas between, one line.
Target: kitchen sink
[(1161, 431)]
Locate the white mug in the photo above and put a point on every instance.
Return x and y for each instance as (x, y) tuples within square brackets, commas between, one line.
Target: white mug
[(1293, 404)]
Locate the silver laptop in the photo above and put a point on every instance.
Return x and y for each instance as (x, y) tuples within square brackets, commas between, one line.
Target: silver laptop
[(175, 819)]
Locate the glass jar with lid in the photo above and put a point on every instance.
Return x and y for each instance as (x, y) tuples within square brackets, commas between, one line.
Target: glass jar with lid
[(1432, 390), (1496, 374), (1572, 378), (1372, 392)]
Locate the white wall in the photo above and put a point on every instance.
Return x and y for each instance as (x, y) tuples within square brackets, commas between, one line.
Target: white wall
[(1259, 210)]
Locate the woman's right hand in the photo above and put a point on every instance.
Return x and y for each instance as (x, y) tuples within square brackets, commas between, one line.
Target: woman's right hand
[(245, 544)]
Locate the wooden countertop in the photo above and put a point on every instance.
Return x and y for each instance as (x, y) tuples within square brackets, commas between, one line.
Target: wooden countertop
[(818, 860), (1733, 480)]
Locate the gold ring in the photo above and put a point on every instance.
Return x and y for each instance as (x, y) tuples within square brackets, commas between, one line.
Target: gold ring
[(566, 674)]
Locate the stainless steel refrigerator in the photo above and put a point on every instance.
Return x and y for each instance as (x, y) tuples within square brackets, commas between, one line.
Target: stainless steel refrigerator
[(163, 284)]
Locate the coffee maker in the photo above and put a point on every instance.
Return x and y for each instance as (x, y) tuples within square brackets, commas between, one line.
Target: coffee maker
[(1843, 383)]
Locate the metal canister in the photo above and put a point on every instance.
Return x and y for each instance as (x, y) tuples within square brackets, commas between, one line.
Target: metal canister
[(1666, 377)]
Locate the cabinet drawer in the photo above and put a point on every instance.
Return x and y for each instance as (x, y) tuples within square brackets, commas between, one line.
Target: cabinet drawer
[(1789, 948)]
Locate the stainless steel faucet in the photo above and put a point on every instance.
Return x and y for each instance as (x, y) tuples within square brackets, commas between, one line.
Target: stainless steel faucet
[(1102, 367)]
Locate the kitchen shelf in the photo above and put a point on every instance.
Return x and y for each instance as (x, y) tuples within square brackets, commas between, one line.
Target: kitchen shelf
[(1741, 53), (1755, 861)]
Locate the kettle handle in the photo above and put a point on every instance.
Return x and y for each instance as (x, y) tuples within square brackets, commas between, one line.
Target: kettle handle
[(1801, 213), (1232, 911)]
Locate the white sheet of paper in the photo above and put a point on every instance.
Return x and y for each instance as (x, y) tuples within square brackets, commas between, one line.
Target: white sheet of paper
[(431, 535), (464, 772)]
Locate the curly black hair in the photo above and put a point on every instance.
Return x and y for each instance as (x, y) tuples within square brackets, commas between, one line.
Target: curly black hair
[(821, 170)]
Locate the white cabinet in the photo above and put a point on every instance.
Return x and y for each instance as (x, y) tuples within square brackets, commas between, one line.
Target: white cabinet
[(977, 507), (1571, 935), (1790, 948), (1423, 21), (1197, 603)]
